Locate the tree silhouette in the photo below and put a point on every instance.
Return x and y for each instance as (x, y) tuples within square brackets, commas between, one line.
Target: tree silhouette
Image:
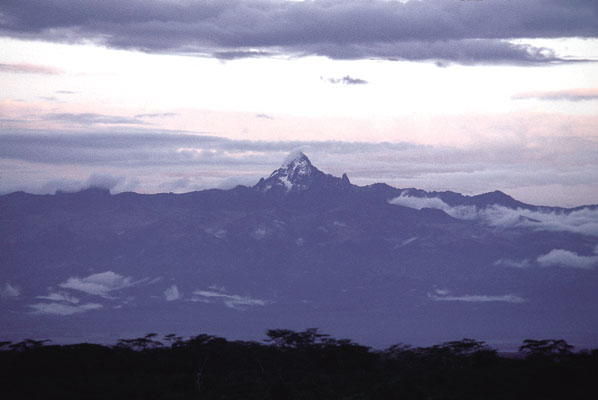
[(546, 348), (143, 343), (28, 344), (286, 338), (294, 365)]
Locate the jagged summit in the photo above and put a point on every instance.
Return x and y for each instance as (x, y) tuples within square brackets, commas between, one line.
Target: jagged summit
[(297, 164), (298, 174), (295, 157)]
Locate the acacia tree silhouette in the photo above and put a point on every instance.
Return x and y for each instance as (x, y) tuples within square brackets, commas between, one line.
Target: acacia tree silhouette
[(546, 348)]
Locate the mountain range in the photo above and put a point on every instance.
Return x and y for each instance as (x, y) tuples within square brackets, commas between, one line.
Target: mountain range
[(299, 249)]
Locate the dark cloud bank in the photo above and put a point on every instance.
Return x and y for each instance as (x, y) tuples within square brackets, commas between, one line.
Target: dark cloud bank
[(442, 30), (184, 161)]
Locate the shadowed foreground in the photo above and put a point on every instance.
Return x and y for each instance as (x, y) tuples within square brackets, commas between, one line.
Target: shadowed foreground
[(293, 365)]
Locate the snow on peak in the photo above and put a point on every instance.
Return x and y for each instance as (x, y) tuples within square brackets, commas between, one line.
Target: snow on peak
[(296, 164), (297, 174), (293, 156)]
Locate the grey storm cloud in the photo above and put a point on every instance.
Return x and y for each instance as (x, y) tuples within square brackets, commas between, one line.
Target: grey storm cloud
[(448, 30)]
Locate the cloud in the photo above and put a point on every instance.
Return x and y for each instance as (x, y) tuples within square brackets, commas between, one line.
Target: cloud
[(100, 284), (61, 297), (443, 295), (232, 301), (583, 220), (115, 184), (92, 118), (459, 31), (445, 52), (156, 115), (558, 170), (49, 99), (29, 68), (419, 203), (567, 259), (506, 262), (234, 55), (103, 181), (8, 291), (347, 80), (565, 95), (63, 309), (172, 293)]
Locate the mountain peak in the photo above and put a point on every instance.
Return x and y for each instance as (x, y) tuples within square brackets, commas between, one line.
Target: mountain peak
[(297, 164), (295, 157), (297, 174)]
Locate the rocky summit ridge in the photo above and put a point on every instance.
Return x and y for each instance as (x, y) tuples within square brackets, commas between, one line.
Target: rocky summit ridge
[(298, 174)]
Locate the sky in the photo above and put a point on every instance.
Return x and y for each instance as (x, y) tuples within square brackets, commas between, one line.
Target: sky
[(176, 95)]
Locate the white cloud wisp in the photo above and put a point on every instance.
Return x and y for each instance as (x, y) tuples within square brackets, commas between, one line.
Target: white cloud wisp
[(63, 309), (9, 291), (443, 295), (100, 284), (583, 220), (567, 259), (172, 293), (230, 300)]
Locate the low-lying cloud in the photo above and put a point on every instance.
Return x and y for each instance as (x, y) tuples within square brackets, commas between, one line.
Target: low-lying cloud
[(583, 220), (507, 262), (8, 291), (63, 309), (100, 284), (567, 259), (172, 293), (60, 296), (419, 203), (230, 300), (443, 295)]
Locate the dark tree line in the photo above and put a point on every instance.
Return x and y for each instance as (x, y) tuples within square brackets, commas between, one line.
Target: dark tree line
[(293, 365)]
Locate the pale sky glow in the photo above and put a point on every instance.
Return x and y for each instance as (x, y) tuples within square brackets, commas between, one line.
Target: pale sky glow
[(538, 117)]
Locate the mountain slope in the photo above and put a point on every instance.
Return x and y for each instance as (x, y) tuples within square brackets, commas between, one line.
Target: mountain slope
[(301, 248)]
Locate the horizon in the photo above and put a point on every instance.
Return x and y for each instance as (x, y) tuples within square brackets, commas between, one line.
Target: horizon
[(107, 184), (433, 94)]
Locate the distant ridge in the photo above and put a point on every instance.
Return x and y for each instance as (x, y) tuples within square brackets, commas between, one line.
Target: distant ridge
[(301, 248)]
